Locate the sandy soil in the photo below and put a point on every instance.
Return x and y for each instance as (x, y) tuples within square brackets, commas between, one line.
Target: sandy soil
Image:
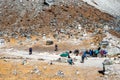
[(47, 72)]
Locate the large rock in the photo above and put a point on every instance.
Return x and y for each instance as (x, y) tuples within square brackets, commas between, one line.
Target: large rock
[(49, 42), (49, 2), (107, 62), (104, 43)]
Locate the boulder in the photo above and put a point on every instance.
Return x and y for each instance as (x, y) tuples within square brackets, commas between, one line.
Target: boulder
[(49, 42), (104, 43), (118, 56), (49, 2), (107, 62)]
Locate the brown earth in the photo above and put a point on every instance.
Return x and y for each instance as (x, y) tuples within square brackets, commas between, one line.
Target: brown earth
[(48, 72)]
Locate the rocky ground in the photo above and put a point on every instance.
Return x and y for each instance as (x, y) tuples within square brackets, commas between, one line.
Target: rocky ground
[(21, 66), (72, 24), (34, 70)]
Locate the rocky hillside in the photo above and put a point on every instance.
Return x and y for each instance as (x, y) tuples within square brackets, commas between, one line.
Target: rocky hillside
[(27, 18)]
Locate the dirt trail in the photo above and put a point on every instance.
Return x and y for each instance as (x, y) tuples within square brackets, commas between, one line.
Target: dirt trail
[(89, 62)]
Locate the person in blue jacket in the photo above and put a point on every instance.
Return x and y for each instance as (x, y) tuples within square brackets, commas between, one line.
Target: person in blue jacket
[(91, 52), (30, 51), (83, 56)]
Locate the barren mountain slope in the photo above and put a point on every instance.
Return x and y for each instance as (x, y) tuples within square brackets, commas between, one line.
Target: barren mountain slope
[(34, 18)]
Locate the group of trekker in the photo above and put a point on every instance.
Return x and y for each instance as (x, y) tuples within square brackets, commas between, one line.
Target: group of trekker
[(93, 53), (84, 54)]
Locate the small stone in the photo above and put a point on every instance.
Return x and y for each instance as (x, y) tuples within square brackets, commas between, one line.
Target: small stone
[(2, 41), (15, 72), (36, 71), (5, 60), (50, 63), (44, 67), (60, 73), (24, 62), (106, 72), (77, 72)]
